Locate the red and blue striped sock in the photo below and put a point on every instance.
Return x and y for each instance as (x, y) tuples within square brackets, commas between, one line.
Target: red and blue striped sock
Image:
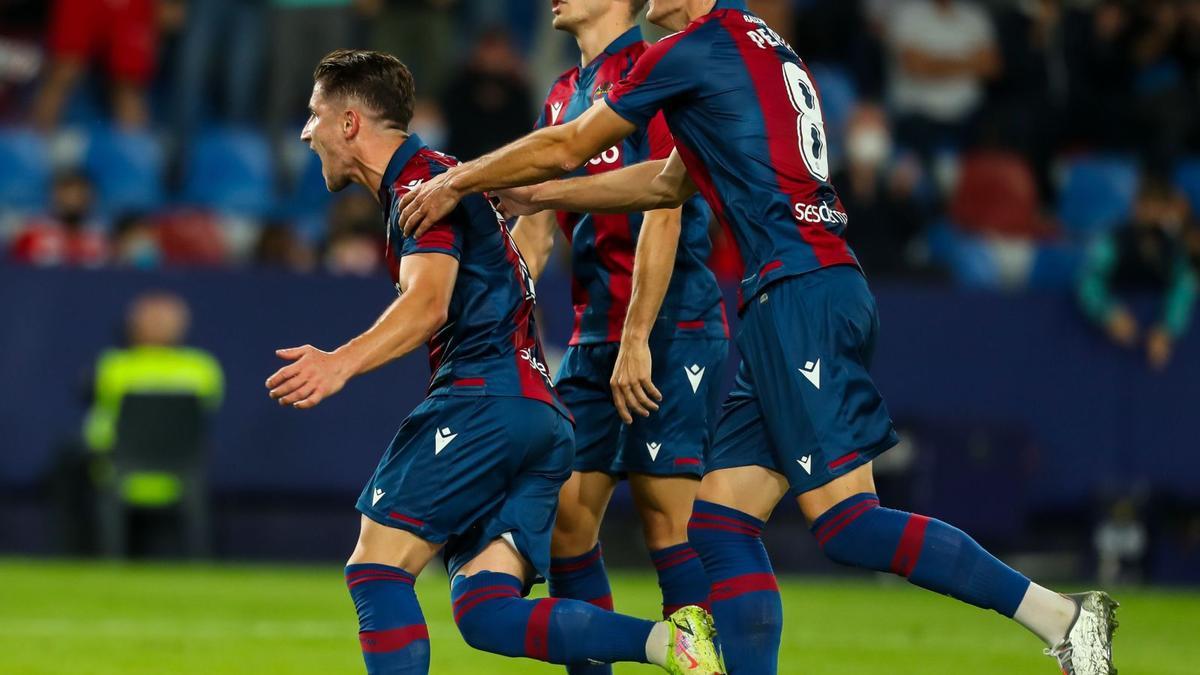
[(493, 617), (681, 578), (583, 577), (391, 628), (928, 552), (744, 594)]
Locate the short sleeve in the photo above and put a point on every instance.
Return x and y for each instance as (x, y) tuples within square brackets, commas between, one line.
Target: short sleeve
[(444, 238), (661, 142), (663, 73)]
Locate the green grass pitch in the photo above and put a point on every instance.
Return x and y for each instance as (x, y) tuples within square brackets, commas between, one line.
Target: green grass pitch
[(101, 619)]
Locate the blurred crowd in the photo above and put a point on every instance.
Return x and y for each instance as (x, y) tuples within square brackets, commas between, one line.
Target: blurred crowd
[(995, 143)]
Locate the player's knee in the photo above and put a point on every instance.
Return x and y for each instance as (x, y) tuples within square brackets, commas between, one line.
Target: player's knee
[(576, 531), (487, 607), (851, 536), (662, 529)]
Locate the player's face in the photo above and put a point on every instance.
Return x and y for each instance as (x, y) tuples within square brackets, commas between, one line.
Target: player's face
[(323, 133), (668, 14), (571, 15)]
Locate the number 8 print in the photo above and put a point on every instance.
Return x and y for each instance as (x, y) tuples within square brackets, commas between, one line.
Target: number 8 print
[(810, 125)]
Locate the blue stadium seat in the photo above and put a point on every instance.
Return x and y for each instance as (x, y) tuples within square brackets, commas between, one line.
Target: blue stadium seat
[(309, 194), (1097, 194), (24, 170), (968, 258), (839, 95), (127, 168), (1056, 266), (1187, 177), (231, 170)]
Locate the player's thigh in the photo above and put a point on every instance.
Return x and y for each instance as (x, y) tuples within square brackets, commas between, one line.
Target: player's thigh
[(817, 501), (498, 556), (449, 466), (751, 489), (581, 505), (808, 342), (664, 504), (524, 518), (383, 545), (675, 440), (743, 466), (582, 386)]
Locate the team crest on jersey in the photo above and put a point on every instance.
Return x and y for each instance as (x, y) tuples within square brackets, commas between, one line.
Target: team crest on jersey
[(602, 91)]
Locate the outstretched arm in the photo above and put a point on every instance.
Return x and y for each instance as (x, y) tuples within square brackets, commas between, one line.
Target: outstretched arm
[(660, 184), (315, 375), (542, 155)]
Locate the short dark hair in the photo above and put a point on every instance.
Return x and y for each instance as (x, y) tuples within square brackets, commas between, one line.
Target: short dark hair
[(379, 80), (638, 6)]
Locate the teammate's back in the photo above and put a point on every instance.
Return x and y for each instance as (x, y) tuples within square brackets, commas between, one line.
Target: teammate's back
[(489, 343), (749, 126)]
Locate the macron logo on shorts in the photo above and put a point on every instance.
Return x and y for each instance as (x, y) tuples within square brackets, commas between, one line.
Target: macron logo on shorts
[(806, 464), (694, 374), (441, 438), (653, 448), (812, 372), (377, 496)]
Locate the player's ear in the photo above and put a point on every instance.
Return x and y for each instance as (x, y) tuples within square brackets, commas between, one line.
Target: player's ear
[(351, 123)]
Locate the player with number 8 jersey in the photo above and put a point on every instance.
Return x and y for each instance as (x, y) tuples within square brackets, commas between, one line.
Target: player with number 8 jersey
[(741, 150), (804, 416)]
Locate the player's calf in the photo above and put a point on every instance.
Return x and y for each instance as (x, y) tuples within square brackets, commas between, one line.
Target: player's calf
[(493, 616), (391, 628), (744, 594), (939, 557), (664, 504)]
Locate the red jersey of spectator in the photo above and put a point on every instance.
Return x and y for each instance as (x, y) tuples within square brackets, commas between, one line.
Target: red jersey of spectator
[(123, 32), (47, 242)]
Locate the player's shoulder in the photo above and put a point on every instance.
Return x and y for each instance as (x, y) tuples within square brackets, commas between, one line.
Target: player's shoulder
[(424, 165), (566, 80), (695, 36)]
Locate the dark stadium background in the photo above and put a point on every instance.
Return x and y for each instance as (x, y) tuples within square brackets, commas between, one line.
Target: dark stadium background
[(1023, 422)]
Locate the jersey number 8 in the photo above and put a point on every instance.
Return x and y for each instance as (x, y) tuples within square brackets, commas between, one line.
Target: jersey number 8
[(810, 124)]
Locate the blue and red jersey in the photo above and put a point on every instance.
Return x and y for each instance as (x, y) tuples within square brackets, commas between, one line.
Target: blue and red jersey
[(603, 245), (746, 118), (489, 344)]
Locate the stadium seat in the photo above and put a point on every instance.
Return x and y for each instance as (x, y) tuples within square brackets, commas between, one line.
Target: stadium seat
[(231, 170), (997, 195), (24, 170), (1187, 177), (158, 435), (1056, 266), (1097, 194), (310, 199), (968, 258), (127, 169)]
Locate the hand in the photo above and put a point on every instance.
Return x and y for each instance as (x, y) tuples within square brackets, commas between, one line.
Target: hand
[(516, 202), (1158, 347), (427, 205), (313, 377), (1122, 327), (632, 390)]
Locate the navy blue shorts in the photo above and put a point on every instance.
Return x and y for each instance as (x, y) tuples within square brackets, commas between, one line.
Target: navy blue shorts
[(672, 441), (466, 470), (804, 404)]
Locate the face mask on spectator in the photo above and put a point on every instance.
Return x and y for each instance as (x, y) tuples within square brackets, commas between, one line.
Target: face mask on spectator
[(869, 146)]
